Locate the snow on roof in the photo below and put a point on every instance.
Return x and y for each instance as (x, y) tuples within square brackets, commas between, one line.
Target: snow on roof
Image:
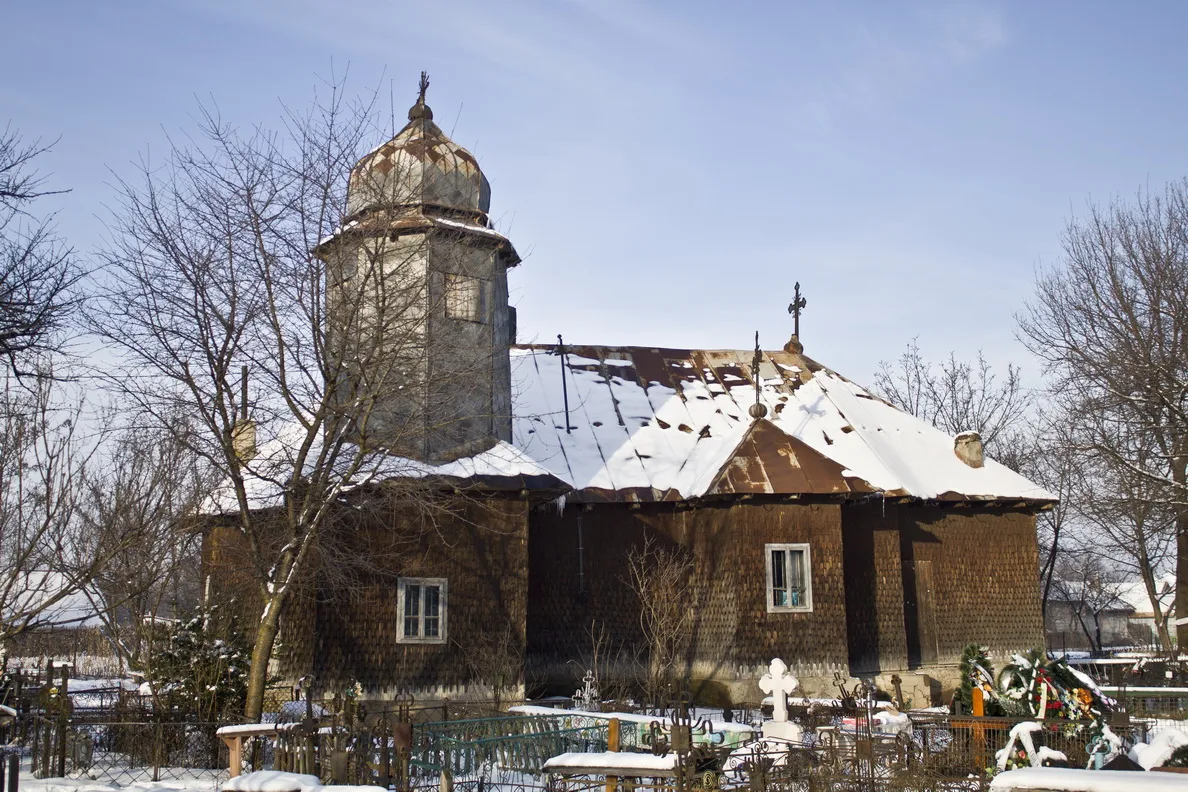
[(474, 228), (275, 461), (665, 424), (40, 592), (624, 763), (671, 421), (1134, 594)]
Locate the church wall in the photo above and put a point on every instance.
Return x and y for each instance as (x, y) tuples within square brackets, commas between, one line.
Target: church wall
[(734, 637), (347, 628), (970, 576), (482, 552), (874, 588)]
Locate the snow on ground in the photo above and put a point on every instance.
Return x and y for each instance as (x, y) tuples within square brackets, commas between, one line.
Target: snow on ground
[(276, 781), (206, 783), (262, 781), (1061, 779), (1166, 737)]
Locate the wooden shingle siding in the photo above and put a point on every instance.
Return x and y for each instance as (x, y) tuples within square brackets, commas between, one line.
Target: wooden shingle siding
[(733, 634), (874, 588), (982, 563), (348, 635)]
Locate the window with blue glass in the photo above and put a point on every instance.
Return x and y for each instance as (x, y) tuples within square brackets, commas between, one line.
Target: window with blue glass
[(423, 610), (789, 578)]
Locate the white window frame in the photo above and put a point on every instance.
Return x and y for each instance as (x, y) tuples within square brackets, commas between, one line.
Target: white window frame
[(442, 610), (458, 286), (769, 590)]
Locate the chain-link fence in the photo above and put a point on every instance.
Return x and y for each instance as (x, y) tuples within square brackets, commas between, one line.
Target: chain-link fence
[(126, 751)]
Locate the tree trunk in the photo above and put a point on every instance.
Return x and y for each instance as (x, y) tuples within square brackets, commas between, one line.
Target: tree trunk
[(1160, 618), (1178, 475), (261, 655)]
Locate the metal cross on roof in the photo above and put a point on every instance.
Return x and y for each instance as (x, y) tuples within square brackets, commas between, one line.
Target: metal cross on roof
[(798, 303), (424, 86)]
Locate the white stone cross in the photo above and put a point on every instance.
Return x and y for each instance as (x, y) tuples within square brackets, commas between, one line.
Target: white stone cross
[(779, 683)]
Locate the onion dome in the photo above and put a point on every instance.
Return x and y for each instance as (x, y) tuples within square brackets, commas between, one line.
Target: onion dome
[(420, 170)]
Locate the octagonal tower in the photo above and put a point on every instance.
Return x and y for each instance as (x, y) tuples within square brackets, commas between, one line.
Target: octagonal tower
[(417, 299)]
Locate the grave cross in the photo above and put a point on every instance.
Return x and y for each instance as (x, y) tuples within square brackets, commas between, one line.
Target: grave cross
[(798, 303), (779, 683)]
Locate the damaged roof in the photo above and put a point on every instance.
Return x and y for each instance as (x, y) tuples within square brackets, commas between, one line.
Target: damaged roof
[(647, 424)]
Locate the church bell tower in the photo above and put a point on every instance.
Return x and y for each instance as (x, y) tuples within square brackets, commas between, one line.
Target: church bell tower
[(417, 299)]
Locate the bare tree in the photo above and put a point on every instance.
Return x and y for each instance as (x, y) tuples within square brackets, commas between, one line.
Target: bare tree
[(220, 261), (48, 560), (959, 396), (1131, 527), (37, 269), (1111, 323), (1089, 588), (142, 503), (661, 578)]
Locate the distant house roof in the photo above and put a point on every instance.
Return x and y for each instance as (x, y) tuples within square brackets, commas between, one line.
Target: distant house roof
[(49, 598), (1134, 594), (669, 424)]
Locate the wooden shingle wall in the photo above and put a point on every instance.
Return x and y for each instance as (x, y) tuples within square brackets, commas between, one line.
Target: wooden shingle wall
[(970, 576), (874, 588), (733, 635), (482, 552), (348, 631)]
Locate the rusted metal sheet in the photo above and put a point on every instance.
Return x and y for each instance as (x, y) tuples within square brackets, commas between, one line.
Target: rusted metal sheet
[(707, 395), (768, 461)]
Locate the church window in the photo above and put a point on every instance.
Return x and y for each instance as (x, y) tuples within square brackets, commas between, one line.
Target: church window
[(422, 607), (464, 298), (789, 578)]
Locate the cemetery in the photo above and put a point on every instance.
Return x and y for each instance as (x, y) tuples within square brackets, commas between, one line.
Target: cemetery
[(1036, 713)]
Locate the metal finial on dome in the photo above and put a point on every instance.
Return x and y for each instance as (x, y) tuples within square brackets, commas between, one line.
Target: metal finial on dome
[(420, 109), (758, 409)]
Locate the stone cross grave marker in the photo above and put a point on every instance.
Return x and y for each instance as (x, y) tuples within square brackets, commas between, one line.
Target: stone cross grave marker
[(778, 683)]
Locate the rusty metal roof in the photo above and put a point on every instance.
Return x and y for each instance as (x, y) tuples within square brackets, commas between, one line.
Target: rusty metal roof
[(650, 424)]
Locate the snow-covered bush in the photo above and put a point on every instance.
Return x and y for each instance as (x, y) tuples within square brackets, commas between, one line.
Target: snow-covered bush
[(202, 670)]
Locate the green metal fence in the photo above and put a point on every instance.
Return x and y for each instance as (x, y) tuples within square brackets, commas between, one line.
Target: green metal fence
[(515, 743)]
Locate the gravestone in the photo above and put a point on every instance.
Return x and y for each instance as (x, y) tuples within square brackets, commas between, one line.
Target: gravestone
[(779, 683)]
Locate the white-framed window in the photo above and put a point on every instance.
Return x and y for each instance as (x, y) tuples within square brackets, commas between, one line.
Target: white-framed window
[(465, 298), (789, 578), (422, 604)]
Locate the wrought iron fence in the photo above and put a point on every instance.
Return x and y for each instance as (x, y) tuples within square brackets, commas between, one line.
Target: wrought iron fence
[(843, 751)]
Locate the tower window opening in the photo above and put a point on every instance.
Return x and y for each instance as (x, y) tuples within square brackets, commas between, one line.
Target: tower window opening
[(464, 298)]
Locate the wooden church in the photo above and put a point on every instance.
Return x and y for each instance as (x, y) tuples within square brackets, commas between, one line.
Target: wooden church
[(814, 521)]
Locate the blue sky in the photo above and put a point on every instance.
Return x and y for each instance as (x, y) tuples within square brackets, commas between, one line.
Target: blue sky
[(669, 170)]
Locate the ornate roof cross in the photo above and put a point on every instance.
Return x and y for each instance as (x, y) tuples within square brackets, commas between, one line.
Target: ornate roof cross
[(798, 304), (420, 109)]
